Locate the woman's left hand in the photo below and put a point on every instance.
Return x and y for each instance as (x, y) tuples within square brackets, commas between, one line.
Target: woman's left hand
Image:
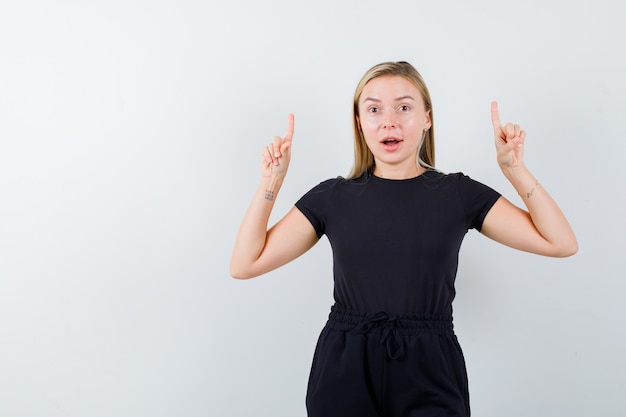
[(509, 141)]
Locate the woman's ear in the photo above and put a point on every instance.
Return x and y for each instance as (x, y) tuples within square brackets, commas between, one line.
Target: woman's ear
[(427, 122)]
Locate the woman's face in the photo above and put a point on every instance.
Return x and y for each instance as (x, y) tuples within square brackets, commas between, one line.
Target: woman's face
[(393, 120)]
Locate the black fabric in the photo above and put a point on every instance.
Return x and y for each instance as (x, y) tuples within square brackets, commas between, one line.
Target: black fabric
[(396, 242), (387, 366)]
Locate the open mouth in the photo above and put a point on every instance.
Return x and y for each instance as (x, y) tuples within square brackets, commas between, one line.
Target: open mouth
[(391, 141)]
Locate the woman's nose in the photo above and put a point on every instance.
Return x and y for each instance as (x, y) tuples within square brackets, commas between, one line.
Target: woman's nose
[(389, 121)]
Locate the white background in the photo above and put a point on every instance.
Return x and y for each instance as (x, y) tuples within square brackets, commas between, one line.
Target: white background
[(130, 134)]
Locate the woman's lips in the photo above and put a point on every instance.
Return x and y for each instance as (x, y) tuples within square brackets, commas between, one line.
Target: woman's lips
[(391, 144)]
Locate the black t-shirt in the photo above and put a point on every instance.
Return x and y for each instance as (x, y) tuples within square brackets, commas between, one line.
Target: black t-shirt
[(395, 243)]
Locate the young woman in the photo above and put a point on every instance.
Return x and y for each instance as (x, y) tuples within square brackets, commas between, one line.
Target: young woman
[(395, 225)]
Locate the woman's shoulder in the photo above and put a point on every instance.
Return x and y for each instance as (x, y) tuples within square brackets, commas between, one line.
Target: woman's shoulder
[(436, 175), (338, 186), (325, 186), (454, 180), (328, 183)]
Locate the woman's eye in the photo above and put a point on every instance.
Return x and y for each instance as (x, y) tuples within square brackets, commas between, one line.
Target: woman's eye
[(404, 107), (373, 110)]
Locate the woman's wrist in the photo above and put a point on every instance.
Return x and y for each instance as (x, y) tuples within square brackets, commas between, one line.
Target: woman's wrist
[(270, 186), (522, 180), (516, 173)]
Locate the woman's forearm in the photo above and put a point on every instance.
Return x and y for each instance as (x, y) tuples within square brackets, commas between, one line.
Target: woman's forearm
[(545, 214), (252, 233)]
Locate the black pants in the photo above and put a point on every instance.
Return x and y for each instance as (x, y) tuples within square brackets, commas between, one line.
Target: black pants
[(385, 365)]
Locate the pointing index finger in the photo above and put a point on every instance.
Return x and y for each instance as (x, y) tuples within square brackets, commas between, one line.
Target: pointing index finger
[(289, 132), (495, 116)]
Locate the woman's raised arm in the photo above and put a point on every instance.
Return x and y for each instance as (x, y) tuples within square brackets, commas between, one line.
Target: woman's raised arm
[(542, 228), (258, 250)]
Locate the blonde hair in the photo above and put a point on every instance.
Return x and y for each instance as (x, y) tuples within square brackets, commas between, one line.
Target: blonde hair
[(363, 157)]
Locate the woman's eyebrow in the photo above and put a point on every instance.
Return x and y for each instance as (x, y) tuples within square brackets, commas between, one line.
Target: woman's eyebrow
[(397, 99)]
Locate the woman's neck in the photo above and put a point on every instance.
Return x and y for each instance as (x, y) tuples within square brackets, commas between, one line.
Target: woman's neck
[(398, 173)]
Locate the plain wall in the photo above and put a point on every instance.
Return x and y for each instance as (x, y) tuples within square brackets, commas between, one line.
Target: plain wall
[(130, 134)]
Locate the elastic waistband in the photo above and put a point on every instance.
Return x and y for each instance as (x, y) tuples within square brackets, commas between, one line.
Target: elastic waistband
[(393, 328), (350, 318)]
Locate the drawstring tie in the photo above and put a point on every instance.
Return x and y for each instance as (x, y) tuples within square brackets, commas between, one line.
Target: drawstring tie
[(389, 336)]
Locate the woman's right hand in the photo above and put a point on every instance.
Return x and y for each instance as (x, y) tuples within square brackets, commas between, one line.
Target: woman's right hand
[(276, 156)]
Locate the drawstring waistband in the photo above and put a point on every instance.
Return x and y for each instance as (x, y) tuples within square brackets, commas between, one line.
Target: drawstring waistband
[(392, 327), (390, 337)]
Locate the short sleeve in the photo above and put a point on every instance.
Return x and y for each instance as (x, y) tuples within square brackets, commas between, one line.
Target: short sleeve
[(477, 200), (314, 204)]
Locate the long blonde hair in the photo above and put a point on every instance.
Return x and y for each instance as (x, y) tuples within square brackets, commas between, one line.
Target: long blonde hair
[(363, 157)]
